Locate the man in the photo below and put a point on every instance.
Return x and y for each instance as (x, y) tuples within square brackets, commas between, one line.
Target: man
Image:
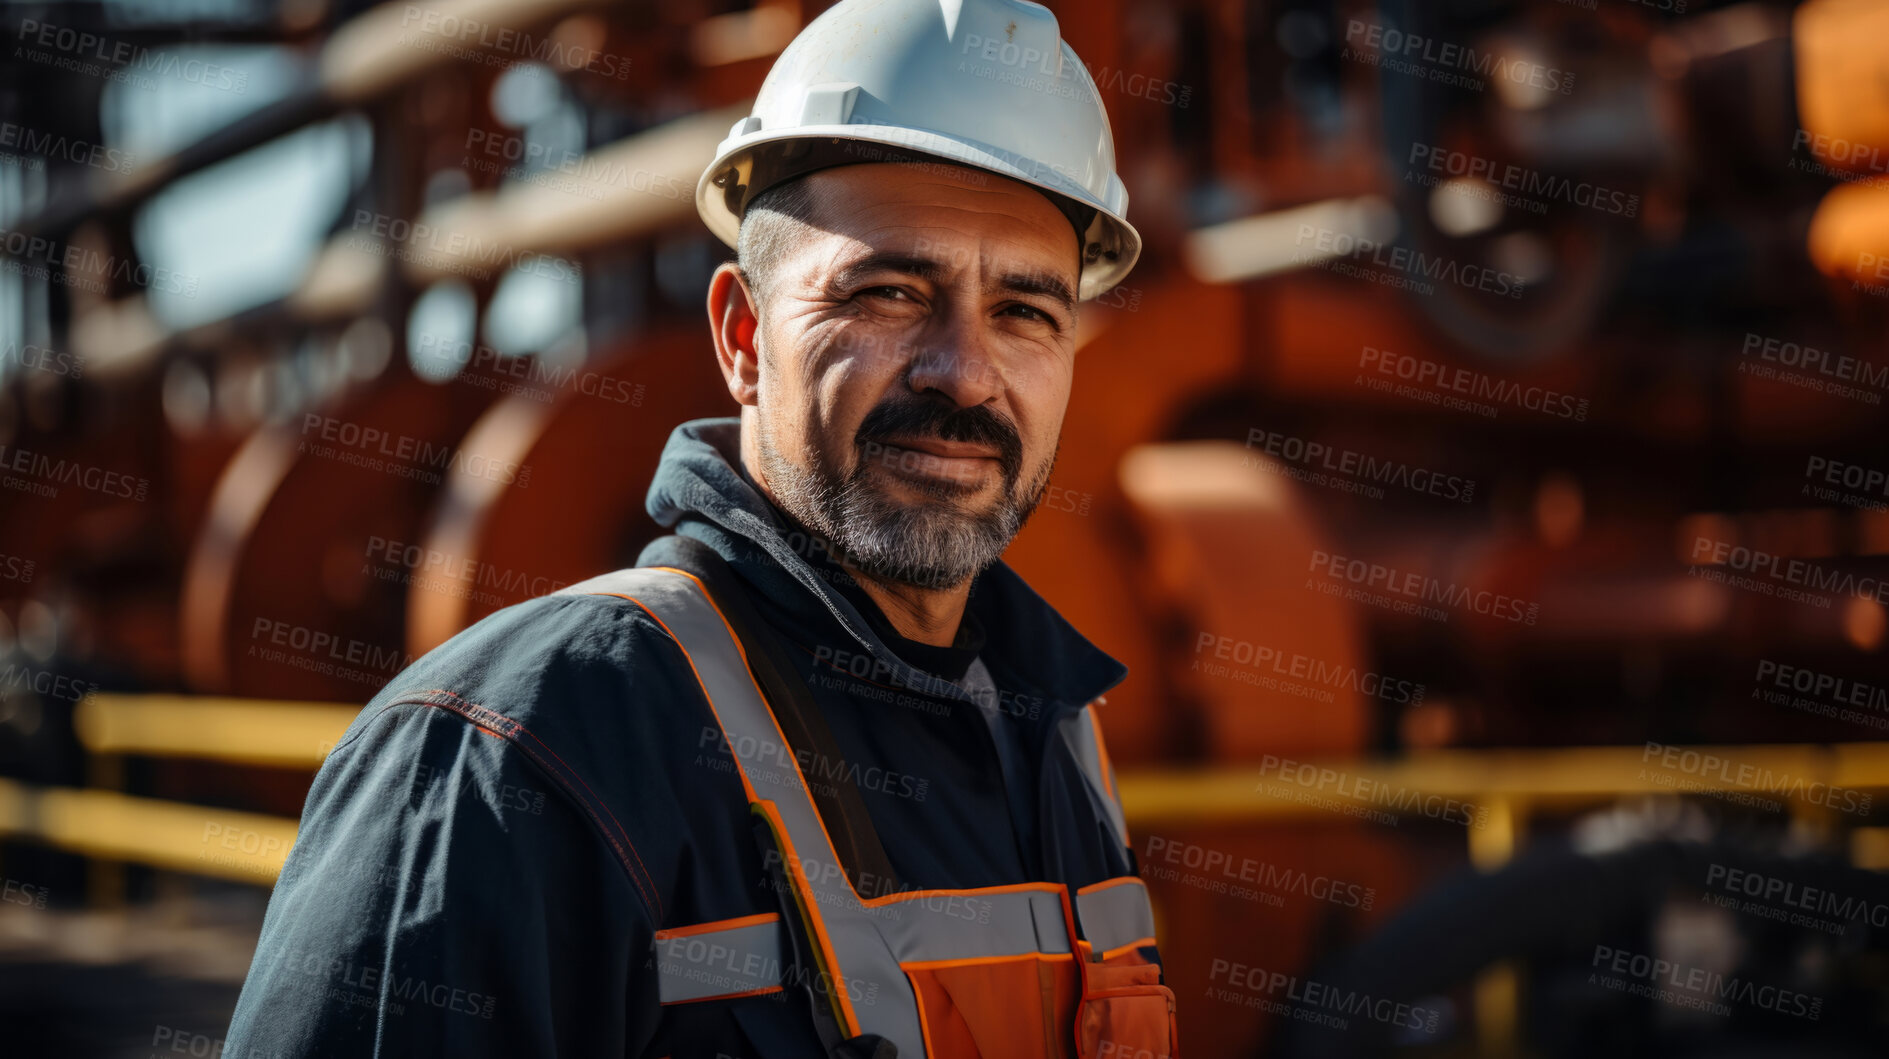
[(820, 777)]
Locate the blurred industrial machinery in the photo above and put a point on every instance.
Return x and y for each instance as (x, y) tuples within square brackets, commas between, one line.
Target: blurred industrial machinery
[(1467, 335)]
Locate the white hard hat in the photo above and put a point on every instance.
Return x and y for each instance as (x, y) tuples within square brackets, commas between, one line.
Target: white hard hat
[(981, 83)]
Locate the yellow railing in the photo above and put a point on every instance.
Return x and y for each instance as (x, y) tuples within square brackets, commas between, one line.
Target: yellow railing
[(1503, 786), (244, 731), (247, 847), (113, 828), (1493, 791)]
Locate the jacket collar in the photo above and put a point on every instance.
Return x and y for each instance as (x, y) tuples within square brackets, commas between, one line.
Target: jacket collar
[(702, 490)]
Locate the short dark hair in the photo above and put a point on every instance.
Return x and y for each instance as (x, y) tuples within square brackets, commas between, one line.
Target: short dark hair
[(768, 225)]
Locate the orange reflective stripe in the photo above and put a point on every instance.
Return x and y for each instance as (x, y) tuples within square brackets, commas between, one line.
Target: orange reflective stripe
[(973, 961), (982, 891), (687, 657), (1130, 947), (739, 766), (719, 924), (810, 915), (924, 1020)]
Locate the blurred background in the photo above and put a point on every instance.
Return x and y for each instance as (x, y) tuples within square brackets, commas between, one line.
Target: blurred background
[(1482, 476)]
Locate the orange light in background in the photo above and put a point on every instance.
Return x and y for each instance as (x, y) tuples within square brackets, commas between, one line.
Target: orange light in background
[(1429, 726), (1863, 623), (578, 38), (1560, 510)]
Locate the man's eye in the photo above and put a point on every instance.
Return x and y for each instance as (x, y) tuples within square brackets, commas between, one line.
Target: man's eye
[(1030, 312), (886, 292)]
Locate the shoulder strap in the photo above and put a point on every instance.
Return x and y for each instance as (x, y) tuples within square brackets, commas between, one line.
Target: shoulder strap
[(834, 793), (850, 966)]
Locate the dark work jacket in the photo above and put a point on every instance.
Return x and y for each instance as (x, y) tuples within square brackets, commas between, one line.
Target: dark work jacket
[(486, 853)]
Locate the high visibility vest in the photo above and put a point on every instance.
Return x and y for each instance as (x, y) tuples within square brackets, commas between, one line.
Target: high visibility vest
[(1007, 971)]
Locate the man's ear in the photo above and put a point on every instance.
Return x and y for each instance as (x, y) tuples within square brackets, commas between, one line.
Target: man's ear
[(732, 321)]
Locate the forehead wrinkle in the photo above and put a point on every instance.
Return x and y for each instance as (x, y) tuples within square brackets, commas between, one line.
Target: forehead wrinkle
[(996, 271), (846, 192), (1001, 222)]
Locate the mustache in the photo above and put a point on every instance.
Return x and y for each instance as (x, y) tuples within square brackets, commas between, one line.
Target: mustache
[(917, 417)]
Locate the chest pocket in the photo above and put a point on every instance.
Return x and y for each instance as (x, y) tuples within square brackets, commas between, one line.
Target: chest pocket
[(988, 972)]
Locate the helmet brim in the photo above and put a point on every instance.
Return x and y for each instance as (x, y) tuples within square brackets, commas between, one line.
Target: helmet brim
[(745, 166)]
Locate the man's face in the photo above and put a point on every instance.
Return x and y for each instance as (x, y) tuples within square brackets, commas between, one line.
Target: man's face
[(916, 348)]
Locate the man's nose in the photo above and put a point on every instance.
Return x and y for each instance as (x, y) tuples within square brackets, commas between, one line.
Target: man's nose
[(956, 363)]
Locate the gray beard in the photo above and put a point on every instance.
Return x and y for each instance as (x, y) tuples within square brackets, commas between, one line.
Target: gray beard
[(933, 543)]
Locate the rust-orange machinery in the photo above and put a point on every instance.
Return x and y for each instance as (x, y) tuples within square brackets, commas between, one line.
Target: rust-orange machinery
[(1168, 537)]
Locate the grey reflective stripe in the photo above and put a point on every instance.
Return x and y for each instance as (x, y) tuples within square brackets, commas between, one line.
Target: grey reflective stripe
[(1114, 913), (866, 976), (1079, 732), (723, 962), (957, 925)]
